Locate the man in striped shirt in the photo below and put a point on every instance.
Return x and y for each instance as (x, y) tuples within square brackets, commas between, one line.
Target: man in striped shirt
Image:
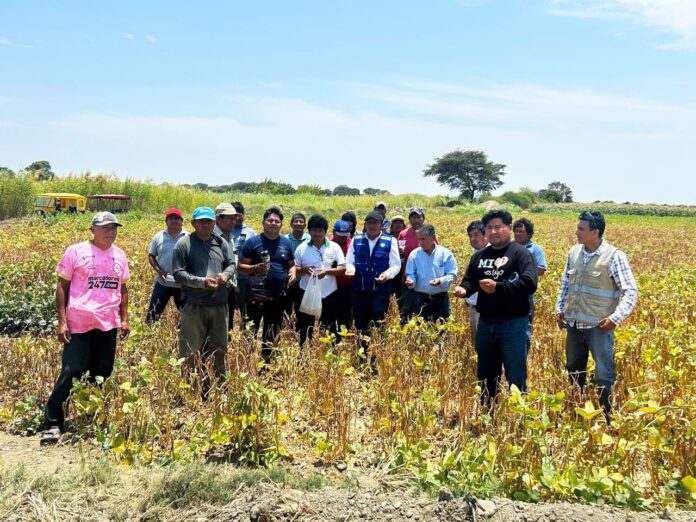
[(598, 291)]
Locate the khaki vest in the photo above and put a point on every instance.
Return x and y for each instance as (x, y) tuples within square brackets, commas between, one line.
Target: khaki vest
[(592, 293)]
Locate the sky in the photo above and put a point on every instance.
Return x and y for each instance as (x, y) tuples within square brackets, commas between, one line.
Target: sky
[(598, 94)]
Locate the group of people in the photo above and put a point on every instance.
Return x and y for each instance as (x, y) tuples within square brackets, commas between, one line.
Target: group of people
[(223, 266)]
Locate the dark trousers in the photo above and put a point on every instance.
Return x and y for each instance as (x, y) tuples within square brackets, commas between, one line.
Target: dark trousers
[(238, 300), (293, 297), (305, 322), (271, 314), (579, 344), (369, 308), (92, 352), (406, 302), (159, 299), (501, 344), (344, 306), (431, 307)]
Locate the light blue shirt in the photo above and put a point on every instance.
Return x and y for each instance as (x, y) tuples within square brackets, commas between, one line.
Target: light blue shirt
[(422, 268), (297, 242), (239, 243), (538, 254), (162, 247)]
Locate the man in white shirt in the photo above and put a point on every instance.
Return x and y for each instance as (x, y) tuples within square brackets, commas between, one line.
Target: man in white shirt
[(373, 257), (318, 257)]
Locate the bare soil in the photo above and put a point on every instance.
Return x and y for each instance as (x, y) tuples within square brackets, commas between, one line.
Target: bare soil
[(368, 498)]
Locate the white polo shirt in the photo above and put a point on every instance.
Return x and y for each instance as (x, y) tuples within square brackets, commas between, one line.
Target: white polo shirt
[(309, 256)]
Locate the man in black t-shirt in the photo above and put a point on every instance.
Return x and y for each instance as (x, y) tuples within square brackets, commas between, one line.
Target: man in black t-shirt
[(504, 274), (269, 261)]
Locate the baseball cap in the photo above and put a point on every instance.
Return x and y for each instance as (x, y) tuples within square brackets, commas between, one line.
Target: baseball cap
[(225, 209), (381, 204), (102, 219), (341, 228), (417, 210), (374, 215), (203, 213), (173, 212), (398, 217)]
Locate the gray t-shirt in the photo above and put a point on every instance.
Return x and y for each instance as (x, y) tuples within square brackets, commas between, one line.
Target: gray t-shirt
[(195, 259), (162, 247)]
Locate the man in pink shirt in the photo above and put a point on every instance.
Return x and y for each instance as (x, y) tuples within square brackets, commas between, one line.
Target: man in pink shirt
[(92, 304)]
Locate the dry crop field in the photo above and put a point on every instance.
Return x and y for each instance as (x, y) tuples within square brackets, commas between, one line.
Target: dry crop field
[(420, 416)]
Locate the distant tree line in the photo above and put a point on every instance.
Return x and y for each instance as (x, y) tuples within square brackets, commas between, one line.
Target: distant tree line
[(268, 186)]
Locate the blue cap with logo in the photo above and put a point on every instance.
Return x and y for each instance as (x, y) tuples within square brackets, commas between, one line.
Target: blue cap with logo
[(204, 213), (341, 228)]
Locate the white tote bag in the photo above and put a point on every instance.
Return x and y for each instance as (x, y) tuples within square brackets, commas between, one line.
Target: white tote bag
[(311, 300)]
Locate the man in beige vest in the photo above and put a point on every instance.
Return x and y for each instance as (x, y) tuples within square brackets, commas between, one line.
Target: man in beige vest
[(598, 291)]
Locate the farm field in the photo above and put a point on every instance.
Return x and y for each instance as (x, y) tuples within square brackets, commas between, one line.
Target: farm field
[(418, 421)]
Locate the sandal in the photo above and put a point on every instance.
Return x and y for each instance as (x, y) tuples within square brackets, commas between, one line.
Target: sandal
[(50, 435)]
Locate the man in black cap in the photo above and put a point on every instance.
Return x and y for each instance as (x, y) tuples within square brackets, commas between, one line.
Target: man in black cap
[(373, 257)]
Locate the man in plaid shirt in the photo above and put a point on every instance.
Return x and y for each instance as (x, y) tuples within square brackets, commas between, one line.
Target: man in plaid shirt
[(598, 291)]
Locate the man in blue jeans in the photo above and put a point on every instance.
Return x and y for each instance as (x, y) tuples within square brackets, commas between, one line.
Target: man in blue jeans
[(598, 291), (504, 274), (373, 259)]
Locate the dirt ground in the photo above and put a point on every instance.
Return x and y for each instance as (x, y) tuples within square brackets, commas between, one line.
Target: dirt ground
[(370, 498)]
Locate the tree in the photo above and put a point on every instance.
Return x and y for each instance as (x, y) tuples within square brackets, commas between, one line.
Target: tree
[(467, 171), (40, 171), (345, 190), (4, 171), (556, 192), (369, 191)]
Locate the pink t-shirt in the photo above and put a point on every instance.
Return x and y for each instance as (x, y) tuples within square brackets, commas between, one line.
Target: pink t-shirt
[(95, 277)]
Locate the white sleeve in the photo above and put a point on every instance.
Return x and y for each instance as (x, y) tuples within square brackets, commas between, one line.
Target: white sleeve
[(394, 260)]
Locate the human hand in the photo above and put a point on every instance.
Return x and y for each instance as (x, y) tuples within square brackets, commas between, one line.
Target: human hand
[(221, 278), (63, 333), (125, 330), (561, 321), (382, 278), (606, 325), (488, 285), (459, 291), (409, 283), (435, 282), (261, 268), (321, 274), (211, 283)]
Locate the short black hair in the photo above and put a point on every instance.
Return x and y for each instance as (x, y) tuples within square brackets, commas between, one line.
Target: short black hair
[(476, 225), (272, 210), (504, 215), (427, 229), (595, 220), (298, 215), (524, 222), (238, 207), (350, 216), (318, 221)]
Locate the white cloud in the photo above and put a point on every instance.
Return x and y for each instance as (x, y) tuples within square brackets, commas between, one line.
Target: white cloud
[(675, 16), (150, 38), (128, 36), (5, 41), (604, 146)]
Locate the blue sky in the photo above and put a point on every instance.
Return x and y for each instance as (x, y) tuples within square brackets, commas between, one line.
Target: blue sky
[(599, 94)]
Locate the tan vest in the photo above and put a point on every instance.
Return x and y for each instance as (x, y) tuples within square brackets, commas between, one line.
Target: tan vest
[(592, 293)]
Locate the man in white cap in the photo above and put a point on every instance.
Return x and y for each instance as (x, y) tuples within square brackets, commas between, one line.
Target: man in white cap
[(382, 208), (225, 222), (92, 305)]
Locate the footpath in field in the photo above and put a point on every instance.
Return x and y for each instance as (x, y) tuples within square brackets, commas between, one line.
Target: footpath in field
[(60, 483)]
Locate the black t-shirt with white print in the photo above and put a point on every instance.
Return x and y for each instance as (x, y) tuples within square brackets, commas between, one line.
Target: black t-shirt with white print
[(513, 269)]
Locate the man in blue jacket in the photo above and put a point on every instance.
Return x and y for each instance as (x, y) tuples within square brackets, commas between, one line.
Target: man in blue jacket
[(373, 257)]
